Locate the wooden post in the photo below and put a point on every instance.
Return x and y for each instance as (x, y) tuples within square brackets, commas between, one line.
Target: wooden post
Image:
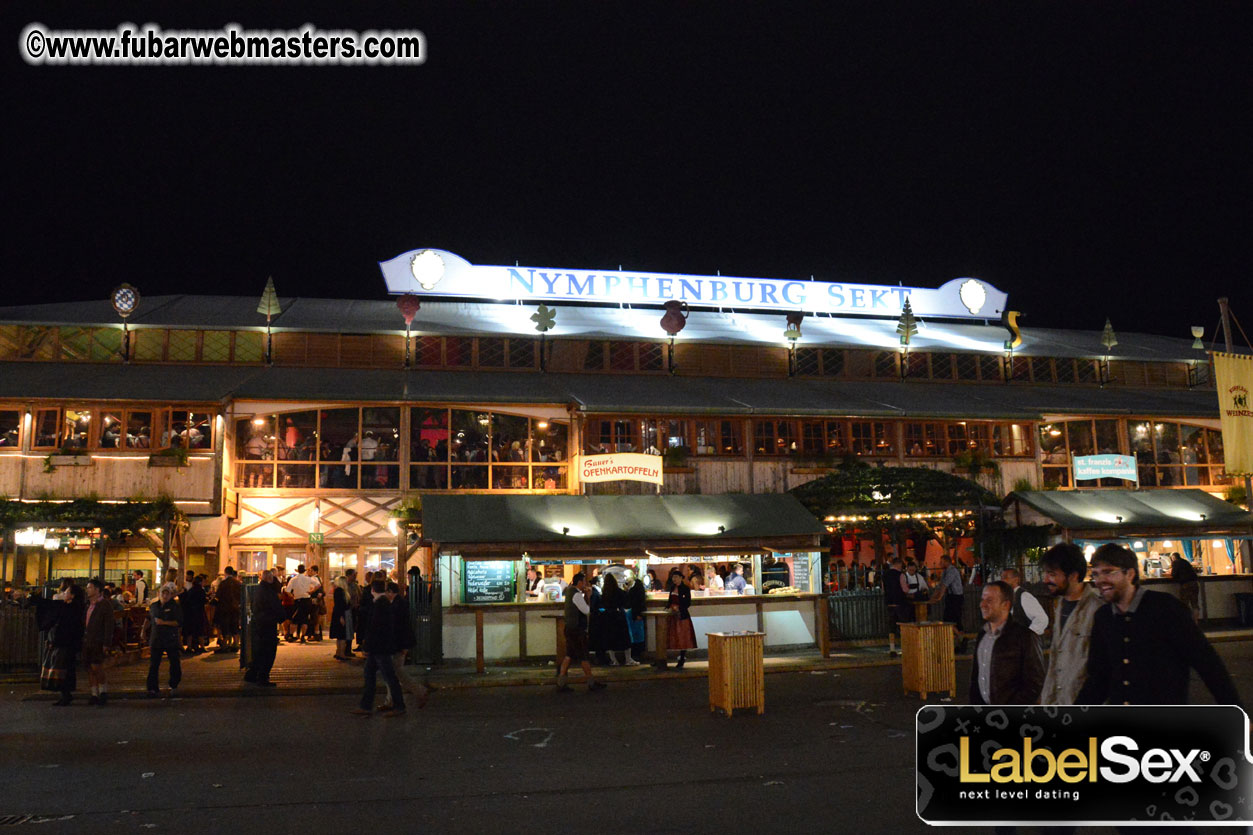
[(522, 634), (104, 547), (480, 664), (822, 614), (761, 617)]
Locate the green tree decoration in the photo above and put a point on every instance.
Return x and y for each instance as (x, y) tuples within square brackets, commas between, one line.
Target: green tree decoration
[(907, 326), (270, 307), (1107, 336)]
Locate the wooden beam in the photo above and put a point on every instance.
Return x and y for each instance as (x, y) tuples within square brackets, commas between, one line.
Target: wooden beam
[(479, 662)]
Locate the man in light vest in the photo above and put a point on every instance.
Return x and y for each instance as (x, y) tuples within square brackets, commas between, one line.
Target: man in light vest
[(1026, 609)]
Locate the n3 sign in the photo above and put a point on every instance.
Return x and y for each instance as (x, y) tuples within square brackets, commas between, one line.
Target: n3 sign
[(316, 538)]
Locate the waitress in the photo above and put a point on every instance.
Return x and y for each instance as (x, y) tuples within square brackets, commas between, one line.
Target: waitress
[(682, 635)]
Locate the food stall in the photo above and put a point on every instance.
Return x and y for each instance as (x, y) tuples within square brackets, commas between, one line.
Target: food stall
[(1212, 534), (482, 546)]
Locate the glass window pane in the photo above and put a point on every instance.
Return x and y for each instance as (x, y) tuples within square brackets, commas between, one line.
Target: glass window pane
[(1140, 442), (1166, 444), (1107, 437), (813, 437), (510, 478), (1042, 369), (491, 352), (75, 429), (1079, 437), (885, 364), (299, 437), (337, 433), (428, 435), (380, 427), (941, 366), (428, 477), (549, 440), (1065, 370), (923, 440), (111, 429), (47, 422), (958, 438), (622, 356), (548, 478), (249, 346), (216, 346), (967, 367), (510, 438), (594, 360), (1086, 371), (10, 429), (990, 368), (837, 437), (1214, 445), (458, 350), (469, 438), (139, 430), (1192, 453), (832, 362), (676, 435), (295, 476), (182, 346), (652, 356), (1053, 443), (521, 352), (430, 351), (469, 477), (254, 437), (808, 361), (379, 476)]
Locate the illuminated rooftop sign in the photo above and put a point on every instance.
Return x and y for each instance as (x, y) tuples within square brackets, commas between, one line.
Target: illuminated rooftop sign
[(434, 272)]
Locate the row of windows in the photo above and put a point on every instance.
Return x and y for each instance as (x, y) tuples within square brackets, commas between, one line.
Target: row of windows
[(40, 342), (809, 438), (361, 447), (106, 427), (1168, 453)]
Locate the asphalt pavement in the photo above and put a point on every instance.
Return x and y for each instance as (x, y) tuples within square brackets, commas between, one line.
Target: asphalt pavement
[(833, 751)]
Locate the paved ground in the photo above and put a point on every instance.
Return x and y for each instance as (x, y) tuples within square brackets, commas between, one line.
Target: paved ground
[(833, 751)]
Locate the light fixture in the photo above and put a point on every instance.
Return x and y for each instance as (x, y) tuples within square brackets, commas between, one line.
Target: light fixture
[(392, 527), (52, 543), (1197, 333), (258, 421), (541, 425), (1138, 545), (1119, 519), (1166, 543), (565, 531), (30, 536), (1203, 517), (722, 529)]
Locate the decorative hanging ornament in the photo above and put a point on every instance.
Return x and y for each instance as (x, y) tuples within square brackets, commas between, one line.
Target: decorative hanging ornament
[(269, 304), (545, 318), (409, 306), (793, 331), (675, 318), (125, 299)]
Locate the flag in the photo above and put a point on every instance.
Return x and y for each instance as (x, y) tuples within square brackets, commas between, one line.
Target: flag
[(1233, 374)]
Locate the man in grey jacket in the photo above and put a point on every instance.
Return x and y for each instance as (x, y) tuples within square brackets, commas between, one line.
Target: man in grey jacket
[(1075, 604)]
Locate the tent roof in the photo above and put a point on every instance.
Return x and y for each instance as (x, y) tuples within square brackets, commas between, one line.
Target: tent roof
[(1138, 509)]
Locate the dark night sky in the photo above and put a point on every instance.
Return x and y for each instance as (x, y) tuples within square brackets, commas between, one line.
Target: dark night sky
[(1091, 159)]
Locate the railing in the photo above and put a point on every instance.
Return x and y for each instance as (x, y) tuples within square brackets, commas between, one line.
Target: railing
[(19, 637), (425, 615), (861, 613)]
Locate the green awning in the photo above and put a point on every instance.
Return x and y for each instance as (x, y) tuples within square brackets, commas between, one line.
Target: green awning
[(477, 524), (1132, 510)]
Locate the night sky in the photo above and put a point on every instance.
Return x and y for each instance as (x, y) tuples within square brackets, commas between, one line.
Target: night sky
[(1091, 159)]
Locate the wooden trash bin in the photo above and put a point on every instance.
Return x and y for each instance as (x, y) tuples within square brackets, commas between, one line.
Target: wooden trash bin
[(736, 677), (927, 662)]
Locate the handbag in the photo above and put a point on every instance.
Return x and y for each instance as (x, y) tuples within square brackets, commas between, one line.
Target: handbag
[(635, 628), (50, 675)]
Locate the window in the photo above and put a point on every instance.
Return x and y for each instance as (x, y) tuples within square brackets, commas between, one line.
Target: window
[(10, 430), (652, 357), (216, 346), (148, 345), (187, 427), (138, 429), (458, 351), (808, 362), (885, 364), (774, 437), (1086, 370), (872, 438), (676, 435), (1042, 369), (491, 352), (430, 352), (75, 429), (91, 344), (924, 440), (622, 356), (595, 358), (915, 365), (718, 437), (967, 367), (521, 352), (942, 366), (814, 437), (1020, 369), (182, 346), (1011, 440), (465, 450), (990, 368), (249, 346), (47, 422)]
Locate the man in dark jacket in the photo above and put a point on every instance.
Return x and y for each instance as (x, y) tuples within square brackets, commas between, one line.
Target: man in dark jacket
[(380, 645), (900, 610), (1009, 667), (1144, 643), (165, 620), (267, 614)]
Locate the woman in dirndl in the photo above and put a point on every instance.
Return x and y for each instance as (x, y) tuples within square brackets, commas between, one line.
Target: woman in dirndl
[(681, 634)]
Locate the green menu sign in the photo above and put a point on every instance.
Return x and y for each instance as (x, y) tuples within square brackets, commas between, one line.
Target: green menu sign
[(488, 581)]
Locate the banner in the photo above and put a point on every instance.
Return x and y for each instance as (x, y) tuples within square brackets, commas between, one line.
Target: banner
[(1089, 467), (1234, 377), (997, 765), (620, 466)]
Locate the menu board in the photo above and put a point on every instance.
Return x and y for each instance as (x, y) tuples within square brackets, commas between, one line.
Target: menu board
[(489, 581)]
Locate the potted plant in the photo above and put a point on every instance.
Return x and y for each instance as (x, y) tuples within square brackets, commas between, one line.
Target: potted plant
[(175, 456)]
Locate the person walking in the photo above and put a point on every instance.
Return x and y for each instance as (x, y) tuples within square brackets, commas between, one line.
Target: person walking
[(97, 640), (1026, 608), (226, 613), (380, 645), (578, 605), (681, 634), (1008, 665), (617, 635), (402, 626), (1074, 607), (1145, 643), (361, 617), (267, 614), (66, 636), (318, 613), (900, 610), (165, 623)]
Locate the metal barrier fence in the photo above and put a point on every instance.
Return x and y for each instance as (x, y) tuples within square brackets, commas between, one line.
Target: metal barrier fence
[(861, 613), (425, 616), (19, 637)]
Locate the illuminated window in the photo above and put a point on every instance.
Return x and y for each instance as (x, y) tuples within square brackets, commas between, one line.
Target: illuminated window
[(491, 352)]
